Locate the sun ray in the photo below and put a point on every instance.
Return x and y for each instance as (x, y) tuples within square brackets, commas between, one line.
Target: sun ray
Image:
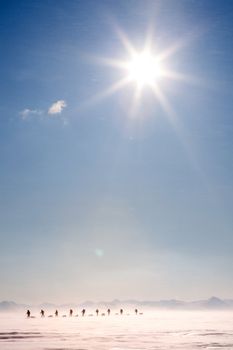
[(178, 45), (112, 62), (149, 38), (190, 79), (135, 102), (126, 42), (180, 130), (108, 92), (164, 103)]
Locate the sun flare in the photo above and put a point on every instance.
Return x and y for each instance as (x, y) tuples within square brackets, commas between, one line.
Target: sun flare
[(144, 69)]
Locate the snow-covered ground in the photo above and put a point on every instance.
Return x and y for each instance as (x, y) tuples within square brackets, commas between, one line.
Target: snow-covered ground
[(152, 330)]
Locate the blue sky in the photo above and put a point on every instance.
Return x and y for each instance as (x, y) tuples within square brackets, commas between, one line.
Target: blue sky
[(97, 204)]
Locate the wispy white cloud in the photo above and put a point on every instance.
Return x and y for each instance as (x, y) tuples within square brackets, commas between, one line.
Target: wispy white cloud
[(27, 113), (57, 107)]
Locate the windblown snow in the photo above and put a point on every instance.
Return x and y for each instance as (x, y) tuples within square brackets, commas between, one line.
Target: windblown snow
[(153, 330)]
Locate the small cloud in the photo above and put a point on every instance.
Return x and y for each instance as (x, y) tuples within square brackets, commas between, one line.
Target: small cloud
[(57, 107), (27, 113)]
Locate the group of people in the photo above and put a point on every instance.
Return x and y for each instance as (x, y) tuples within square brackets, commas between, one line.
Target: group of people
[(42, 312)]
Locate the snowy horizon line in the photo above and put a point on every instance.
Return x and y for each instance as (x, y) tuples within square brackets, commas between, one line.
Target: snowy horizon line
[(210, 303)]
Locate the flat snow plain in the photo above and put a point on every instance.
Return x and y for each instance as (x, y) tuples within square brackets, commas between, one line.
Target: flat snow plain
[(153, 330)]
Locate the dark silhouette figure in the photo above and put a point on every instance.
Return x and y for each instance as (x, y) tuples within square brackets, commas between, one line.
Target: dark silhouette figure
[(121, 311), (136, 311), (108, 311), (71, 312), (28, 313), (42, 313), (83, 312), (56, 313), (97, 312)]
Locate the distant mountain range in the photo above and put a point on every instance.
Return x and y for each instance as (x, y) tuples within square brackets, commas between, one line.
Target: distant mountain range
[(212, 303)]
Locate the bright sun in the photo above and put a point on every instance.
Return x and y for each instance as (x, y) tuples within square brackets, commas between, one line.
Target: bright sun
[(144, 69)]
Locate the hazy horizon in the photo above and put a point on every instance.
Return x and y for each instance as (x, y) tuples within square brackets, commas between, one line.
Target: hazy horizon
[(212, 303)]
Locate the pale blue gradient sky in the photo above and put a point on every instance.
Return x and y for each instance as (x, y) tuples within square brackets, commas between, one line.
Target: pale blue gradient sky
[(95, 204)]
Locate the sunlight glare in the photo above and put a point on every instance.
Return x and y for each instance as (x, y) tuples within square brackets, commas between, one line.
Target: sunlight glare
[(144, 69)]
